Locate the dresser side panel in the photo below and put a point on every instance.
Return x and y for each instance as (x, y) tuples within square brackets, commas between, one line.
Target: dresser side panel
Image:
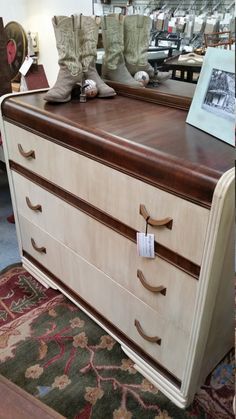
[(221, 333), (216, 269)]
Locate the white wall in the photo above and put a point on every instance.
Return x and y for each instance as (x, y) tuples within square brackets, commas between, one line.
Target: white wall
[(40, 13), (35, 15), (13, 10)]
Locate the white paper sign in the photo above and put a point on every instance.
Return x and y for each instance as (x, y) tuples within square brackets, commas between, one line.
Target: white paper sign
[(98, 9), (26, 66), (145, 245)]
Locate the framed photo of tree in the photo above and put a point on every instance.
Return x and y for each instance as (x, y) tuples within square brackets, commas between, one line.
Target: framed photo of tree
[(213, 105)]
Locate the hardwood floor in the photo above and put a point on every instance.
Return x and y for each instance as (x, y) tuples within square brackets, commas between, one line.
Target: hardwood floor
[(17, 404)]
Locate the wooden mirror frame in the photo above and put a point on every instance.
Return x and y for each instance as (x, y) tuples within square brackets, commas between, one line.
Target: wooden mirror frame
[(172, 93)]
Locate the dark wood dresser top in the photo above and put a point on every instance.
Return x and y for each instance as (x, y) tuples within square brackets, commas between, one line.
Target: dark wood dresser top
[(148, 141)]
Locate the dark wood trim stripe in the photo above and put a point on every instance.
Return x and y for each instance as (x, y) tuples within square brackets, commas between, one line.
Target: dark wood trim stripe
[(161, 251), (105, 322)]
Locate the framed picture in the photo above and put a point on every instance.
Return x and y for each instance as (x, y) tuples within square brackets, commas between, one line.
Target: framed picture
[(213, 105)]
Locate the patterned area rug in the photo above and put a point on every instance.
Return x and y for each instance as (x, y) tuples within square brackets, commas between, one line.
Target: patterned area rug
[(51, 349)]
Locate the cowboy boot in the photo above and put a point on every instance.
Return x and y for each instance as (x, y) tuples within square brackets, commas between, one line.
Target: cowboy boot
[(136, 42), (70, 71), (113, 66), (88, 33)]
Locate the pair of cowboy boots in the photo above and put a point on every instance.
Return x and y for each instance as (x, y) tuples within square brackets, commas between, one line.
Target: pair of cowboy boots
[(76, 41), (126, 41)]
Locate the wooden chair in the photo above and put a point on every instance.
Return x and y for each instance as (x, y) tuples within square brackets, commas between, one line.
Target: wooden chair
[(5, 85), (5, 77), (219, 39)]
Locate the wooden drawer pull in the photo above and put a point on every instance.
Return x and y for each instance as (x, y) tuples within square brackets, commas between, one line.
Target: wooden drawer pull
[(38, 249), (153, 339), (160, 289), (167, 222), (27, 154), (33, 207)]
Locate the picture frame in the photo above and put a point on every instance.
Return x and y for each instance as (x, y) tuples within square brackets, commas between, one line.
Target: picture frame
[(213, 106)]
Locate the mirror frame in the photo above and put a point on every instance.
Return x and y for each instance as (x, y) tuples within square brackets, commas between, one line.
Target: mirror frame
[(169, 93)]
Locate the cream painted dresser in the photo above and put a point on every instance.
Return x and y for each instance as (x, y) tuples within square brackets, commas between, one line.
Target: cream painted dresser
[(84, 179)]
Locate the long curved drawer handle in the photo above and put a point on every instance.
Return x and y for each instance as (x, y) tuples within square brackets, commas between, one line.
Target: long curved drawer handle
[(27, 154), (160, 289), (153, 339), (167, 222), (33, 207), (38, 249)]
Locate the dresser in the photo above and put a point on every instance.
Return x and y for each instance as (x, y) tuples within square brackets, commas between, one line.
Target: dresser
[(84, 179)]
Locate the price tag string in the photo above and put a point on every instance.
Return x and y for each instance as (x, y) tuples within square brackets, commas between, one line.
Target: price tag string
[(146, 232)]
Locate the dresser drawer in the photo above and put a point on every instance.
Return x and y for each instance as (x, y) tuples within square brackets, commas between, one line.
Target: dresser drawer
[(113, 192), (110, 299), (167, 289)]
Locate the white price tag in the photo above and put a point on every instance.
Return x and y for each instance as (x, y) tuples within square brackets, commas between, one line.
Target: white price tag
[(98, 9), (227, 19), (164, 43), (26, 66), (145, 245)]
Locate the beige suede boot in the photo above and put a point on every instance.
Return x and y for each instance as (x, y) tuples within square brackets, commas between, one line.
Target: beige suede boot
[(88, 34), (136, 42), (70, 71), (113, 66)]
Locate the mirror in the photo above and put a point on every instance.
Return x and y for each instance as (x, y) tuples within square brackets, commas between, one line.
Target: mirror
[(177, 28)]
